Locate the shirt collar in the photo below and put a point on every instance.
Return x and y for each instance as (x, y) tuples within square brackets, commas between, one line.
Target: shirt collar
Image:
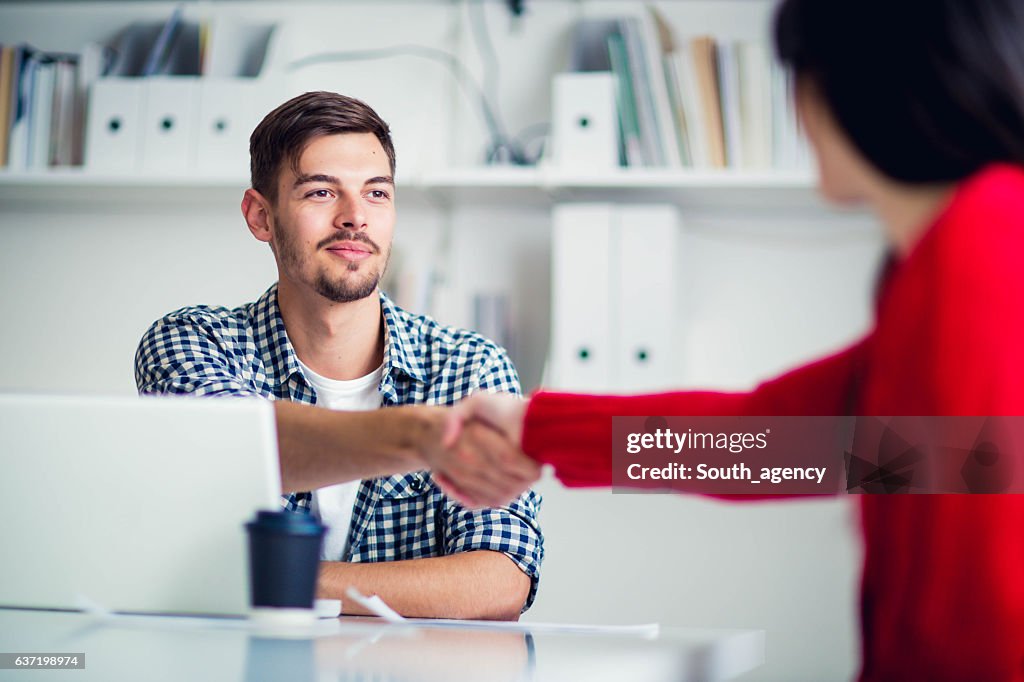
[(279, 355), (400, 347), (272, 339)]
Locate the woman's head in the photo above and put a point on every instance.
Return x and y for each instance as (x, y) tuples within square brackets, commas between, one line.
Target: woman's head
[(926, 91)]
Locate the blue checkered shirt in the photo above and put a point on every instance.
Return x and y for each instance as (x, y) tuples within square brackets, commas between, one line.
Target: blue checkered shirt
[(215, 351)]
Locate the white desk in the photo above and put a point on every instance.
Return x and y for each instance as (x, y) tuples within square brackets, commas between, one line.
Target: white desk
[(158, 649)]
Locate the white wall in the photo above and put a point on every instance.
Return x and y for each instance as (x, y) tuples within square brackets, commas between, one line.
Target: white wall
[(82, 276)]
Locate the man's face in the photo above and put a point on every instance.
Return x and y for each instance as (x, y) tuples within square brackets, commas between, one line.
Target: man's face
[(334, 221)]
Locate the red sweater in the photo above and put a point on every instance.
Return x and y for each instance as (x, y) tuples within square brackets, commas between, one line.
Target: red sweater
[(942, 594)]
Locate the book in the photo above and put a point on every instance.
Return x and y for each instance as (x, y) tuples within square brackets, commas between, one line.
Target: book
[(651, 142), (183, 56), (689, 94), (675, 98), (729, 95), (62, 122), (131, 47), (40, 114), (6, 85), (676, 114), (784, 127), (21, 91), (657, 42), (632, 150), (705, 66), (756, 119), (161, 47)]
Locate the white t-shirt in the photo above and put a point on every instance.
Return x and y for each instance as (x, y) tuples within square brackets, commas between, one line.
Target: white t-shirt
[(333, 505)]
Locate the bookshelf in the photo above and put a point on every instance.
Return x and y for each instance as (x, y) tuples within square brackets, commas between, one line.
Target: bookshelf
[(440, 143), (486, 186)]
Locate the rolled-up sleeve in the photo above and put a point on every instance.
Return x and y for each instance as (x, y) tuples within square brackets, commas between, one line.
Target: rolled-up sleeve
[(512, 530)]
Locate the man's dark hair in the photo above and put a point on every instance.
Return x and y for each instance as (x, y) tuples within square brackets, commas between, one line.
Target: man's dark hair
[(927, 90), (284, 133)]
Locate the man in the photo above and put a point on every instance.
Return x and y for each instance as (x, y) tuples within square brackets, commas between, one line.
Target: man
[(322, 197)]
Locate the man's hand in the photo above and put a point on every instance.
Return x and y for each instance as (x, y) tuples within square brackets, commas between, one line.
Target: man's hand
[(485, 460), (479, 464)]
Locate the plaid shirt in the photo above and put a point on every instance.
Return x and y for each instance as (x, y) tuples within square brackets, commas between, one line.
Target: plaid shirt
[(214, 351)]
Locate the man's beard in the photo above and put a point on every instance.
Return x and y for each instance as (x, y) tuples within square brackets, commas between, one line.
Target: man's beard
[(339, 289), (344, 290)]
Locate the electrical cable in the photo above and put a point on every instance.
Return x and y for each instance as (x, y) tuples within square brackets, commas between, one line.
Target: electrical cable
[(512, 147), (472, 89)]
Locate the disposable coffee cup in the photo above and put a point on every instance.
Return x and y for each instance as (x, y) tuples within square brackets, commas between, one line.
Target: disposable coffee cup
[(284, 557)]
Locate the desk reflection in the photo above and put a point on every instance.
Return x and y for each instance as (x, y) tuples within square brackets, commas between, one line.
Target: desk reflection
[(393, 654), (171, 649)]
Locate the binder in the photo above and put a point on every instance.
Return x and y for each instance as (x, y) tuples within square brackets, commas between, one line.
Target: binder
[(581, 287), (584, 121), (93, 63), (114, 125), (614, 291), (645, 244), (229, 110), (234, 95), (169, 123)]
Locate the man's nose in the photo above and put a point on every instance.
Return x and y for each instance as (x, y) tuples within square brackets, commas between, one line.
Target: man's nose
[(350, 215)]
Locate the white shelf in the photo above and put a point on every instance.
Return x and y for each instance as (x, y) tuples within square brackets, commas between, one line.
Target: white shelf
[(81, 177), (555, 178), (489, 186), (689, 189)]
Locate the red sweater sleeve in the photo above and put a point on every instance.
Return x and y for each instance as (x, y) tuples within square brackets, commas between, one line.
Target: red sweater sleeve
[(573, 432)]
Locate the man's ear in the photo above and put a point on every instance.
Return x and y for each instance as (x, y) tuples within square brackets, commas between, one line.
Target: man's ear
[(257, 214)]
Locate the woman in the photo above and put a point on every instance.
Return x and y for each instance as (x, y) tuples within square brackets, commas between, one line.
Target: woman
[(917, 109)]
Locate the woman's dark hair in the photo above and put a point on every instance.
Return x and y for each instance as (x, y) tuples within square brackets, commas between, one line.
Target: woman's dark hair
[(285, 132), (927, 90)]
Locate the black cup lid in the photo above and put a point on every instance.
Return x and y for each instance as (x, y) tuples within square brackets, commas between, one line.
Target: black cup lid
[(283, 521)]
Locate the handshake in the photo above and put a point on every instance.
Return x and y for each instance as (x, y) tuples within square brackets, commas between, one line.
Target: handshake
[(479, 459), (473, 449)]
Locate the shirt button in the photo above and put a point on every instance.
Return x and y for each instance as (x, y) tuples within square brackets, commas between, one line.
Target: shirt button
[(417, 484)]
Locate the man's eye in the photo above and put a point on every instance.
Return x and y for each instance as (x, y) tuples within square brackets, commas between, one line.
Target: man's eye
[(378, 194), (320, 194)]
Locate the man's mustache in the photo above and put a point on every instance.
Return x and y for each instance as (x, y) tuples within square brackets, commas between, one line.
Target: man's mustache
[(348, 237)]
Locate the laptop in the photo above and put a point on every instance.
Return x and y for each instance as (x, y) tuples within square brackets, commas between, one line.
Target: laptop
[(132, 504)]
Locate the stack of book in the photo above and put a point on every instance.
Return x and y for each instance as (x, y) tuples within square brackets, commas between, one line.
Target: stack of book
[(42, 106), (731, 106), (44, 96), (700, 103)]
